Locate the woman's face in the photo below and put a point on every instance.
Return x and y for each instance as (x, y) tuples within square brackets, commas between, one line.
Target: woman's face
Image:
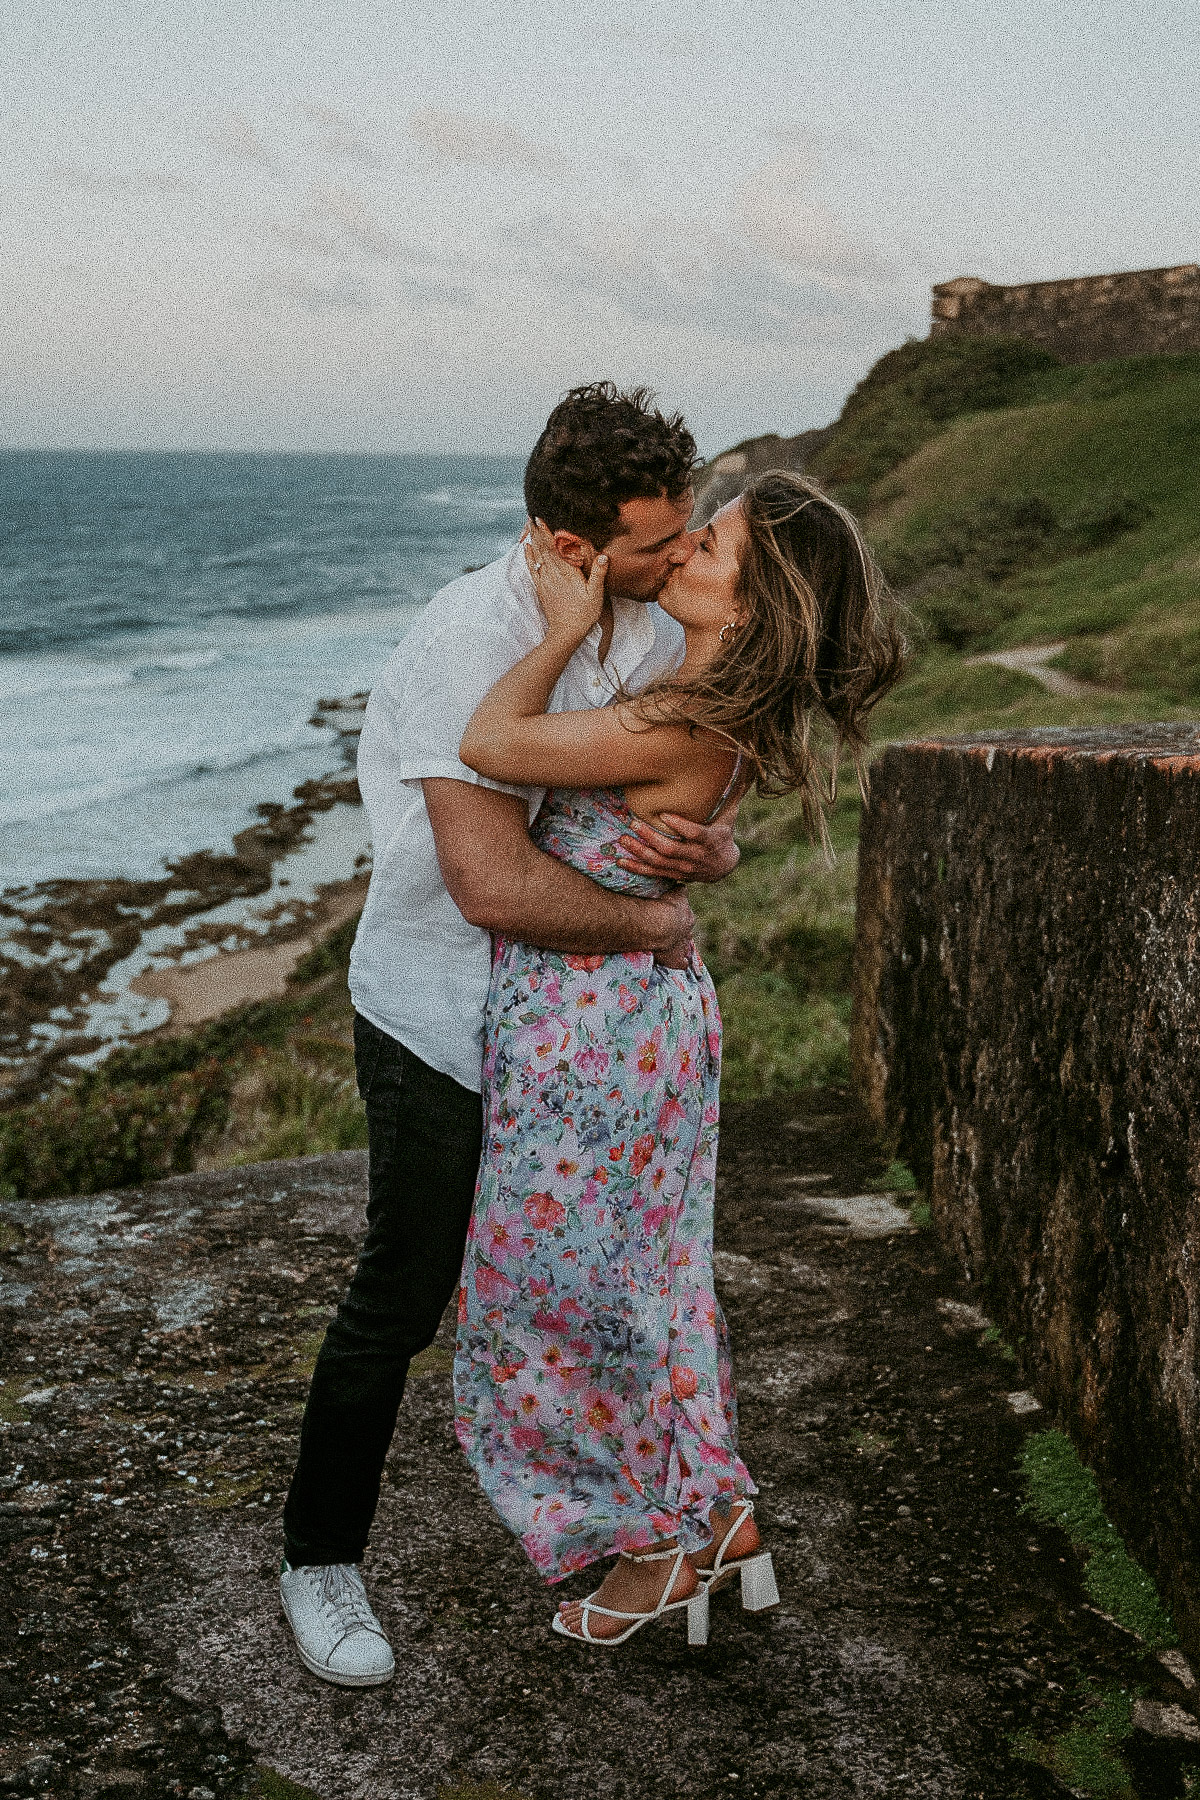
[(700, 592)]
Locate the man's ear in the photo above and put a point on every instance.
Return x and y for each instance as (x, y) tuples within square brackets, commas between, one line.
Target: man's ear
[(573, 549)]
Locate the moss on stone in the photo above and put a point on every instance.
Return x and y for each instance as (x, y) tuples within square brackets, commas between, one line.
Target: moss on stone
[(270, 1785), (1062, 1491), (1086, 1756), (11, 1391), (480, 1790), (897, 1178)]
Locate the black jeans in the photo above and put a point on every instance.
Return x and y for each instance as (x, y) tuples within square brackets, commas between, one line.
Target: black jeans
[(424, 1133)]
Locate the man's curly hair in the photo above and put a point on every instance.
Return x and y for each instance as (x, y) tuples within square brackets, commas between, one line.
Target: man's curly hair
[(600, 448)]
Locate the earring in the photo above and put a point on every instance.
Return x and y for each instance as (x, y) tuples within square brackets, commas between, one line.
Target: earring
[(728, 630)]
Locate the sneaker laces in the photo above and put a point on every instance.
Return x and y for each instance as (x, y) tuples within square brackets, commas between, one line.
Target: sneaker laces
[(342, 1594)]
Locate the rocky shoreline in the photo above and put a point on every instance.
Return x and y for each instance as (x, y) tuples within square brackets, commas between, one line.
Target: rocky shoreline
[(86, 966)]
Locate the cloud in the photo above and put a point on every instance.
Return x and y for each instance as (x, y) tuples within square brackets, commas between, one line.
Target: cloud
[(237, 140), (469, 138), (120, 181), (690, 274), (680, 44), (339, 294), (335, 222), (343, 291), (338, 229), (772, 210), (339, 137)]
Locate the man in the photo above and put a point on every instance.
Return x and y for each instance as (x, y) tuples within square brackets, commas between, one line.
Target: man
[(453, 863)]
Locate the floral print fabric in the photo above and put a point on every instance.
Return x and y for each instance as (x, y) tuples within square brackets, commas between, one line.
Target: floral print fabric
[(593, 1388)]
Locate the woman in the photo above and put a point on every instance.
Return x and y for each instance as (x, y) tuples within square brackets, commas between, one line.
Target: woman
[(594, 1393)]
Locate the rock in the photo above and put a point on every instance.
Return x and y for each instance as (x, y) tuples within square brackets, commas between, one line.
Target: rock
[(957, 1316), (1177, 1664), (727, 474), (1162, 1721), (1024, 1402), (159, 1620)]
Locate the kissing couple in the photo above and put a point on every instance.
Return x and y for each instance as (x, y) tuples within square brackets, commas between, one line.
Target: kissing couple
[(557, 747)]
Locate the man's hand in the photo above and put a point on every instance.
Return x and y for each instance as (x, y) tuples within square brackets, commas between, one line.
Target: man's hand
[(678, 954), (694, 853)]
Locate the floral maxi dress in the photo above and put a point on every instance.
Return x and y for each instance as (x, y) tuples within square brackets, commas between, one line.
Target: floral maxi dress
[(593, 1389)]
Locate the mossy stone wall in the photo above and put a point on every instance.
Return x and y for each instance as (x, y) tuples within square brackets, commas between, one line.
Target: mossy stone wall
[(1027, 1029)]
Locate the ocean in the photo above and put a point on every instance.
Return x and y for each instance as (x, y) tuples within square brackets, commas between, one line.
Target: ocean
[(168, 622)]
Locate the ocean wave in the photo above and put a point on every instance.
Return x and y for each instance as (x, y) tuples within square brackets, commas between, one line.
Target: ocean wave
[(30, 809), (33, 680), (184, 661), (483, 501)]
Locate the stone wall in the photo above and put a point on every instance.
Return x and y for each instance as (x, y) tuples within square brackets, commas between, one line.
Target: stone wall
[(1027, 1029), (1086, 320)]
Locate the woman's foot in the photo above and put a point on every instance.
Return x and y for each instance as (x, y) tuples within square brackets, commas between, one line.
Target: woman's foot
[(744, 1541), (632, 1586)]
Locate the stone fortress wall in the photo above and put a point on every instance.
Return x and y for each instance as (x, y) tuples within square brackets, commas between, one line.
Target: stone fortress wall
[(1144, 311)]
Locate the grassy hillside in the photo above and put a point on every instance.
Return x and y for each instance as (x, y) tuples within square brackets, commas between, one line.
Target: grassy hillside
[(1012, 501), (1093, 486)]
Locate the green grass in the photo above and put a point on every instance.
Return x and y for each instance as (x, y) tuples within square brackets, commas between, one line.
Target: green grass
[(778, 937), (1085, 505), (897, 1178), (1062, 1491), (1087, 1755)]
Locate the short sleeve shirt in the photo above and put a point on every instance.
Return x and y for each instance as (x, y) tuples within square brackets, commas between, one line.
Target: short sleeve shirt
[(418, 970)]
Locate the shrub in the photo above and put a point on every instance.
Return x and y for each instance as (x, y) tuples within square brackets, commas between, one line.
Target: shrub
[(99, 1133), (953, 610)]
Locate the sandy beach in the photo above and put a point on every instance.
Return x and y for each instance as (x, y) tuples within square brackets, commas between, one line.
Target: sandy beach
[(87, 966)]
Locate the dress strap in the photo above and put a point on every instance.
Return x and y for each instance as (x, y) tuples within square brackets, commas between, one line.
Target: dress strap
[(728, 789)]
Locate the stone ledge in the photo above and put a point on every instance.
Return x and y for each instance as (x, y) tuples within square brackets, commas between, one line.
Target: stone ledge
[(1027, 1027)]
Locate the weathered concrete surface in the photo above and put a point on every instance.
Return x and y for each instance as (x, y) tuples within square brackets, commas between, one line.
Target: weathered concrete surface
[(1027, 1027), (157, 1349)]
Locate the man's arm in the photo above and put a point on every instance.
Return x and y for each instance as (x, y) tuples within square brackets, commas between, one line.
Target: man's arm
[(501, 882)]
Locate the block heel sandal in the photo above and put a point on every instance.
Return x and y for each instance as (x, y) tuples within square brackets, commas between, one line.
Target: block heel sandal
[(757, 1570), (696, 1604)]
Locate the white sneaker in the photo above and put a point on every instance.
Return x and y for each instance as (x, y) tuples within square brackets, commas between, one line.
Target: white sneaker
[(338, 1636)]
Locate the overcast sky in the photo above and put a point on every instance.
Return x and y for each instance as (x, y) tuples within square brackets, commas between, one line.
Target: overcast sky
[(357, 226)]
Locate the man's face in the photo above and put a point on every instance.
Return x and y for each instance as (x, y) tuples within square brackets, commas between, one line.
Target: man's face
[(650, 542)]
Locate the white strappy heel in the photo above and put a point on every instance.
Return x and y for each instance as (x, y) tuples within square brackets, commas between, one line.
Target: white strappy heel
[(696, 1604), (756, 1570)]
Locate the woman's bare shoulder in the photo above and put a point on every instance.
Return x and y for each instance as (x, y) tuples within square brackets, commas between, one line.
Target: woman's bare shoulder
[(693, 769)]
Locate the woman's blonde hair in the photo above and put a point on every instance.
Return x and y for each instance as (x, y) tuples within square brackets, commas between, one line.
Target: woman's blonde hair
[(819, 643)]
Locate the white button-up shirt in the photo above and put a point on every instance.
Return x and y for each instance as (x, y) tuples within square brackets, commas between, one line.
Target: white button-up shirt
[(418, 970)]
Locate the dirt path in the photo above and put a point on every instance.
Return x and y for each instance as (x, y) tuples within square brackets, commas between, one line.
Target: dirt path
[(1033, 660), (158, 1344)]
